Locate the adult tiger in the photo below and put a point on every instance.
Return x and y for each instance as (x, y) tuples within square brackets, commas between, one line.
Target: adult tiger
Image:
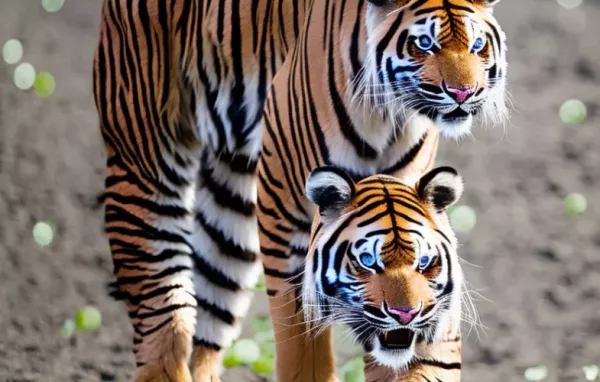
[(180, 87), (383, 260), (358, 93)]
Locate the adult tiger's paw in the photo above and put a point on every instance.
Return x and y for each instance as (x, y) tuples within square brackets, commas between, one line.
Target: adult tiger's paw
[(200, 376), (153, 373), (206, 364)]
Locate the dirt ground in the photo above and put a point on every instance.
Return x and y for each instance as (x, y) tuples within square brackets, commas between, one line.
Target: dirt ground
[(538, 269)]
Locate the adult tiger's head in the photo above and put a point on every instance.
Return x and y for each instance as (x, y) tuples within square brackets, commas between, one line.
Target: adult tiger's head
[(442, 58), (383, 260)]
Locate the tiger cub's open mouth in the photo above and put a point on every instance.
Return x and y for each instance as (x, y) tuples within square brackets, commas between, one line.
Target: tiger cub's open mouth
[(398, 339)]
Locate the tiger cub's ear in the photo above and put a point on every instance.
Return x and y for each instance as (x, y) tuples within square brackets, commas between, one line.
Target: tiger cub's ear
[(329, 188), (442, 187)]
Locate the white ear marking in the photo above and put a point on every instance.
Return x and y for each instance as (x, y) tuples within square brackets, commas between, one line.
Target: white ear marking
[(329, 188), (442, 187)]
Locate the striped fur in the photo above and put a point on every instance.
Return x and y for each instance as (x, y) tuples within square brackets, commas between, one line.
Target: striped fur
[(182, 88), (334, 101), (179, 86), (385, 246)]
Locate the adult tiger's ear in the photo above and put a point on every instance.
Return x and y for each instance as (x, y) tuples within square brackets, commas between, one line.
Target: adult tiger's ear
[(329, 188), (442, 187), (487, 3)]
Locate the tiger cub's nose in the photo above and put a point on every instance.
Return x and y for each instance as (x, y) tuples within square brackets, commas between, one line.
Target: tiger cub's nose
[(404, 314)]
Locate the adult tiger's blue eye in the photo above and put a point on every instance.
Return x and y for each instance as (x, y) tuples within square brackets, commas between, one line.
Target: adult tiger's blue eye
[(424, 262), (478, 44), (367, 259), (425, 42)]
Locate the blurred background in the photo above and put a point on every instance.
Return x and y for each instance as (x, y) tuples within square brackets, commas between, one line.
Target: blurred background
[(528, 221)]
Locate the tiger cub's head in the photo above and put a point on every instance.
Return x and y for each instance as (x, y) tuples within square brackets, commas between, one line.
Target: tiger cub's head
[(442, 58), (383, 260)]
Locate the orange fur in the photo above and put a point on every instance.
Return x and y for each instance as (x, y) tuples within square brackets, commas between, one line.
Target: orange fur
[(174, 117), (396, 209)]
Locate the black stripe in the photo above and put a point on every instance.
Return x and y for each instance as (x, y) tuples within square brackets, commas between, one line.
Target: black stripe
[(280, 274), (355, 44), (226, 245), (272, 252), (238, 163), (441, 365), (302, 225), (262, 75), (203, 343), (362, 148), (374, 311), (385, 41), (156, 276), (215, 311), (224, 197), (273, 237), (401, 42), (116, 214), (406, 158), (449, 288), (165, 310), (214, 275), (417, 4), (306, 89), (153, 329), (284, 152), (412, 207), (129, 177), (159, 209), (237, 109)]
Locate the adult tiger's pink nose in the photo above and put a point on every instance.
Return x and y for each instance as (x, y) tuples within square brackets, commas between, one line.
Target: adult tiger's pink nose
[(404, 315), (460, 95)]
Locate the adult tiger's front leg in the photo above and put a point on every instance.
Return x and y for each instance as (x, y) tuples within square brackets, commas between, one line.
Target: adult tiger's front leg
[(152, 166), (147, 234), (226, 254)]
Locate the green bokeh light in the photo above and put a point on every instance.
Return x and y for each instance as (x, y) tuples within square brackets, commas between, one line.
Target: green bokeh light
[(570, 4), (575, 204), (68, 328), (463, 218), (44, 84), (538, 373), (52, 5), (261, 285), (12, 51), (591, 372), (230, 360), (246, 351), (264, 364), (43, 233), (24, 76), (353, 370), (88, 318), (573, 112)]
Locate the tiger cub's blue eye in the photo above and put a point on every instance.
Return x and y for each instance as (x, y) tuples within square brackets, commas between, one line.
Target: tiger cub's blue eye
[(479, 44), (425, 42), (367, 259), (424, 262)]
